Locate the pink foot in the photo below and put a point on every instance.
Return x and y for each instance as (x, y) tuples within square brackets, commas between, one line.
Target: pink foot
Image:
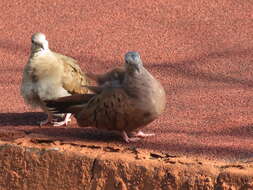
[(45, 122), (64, 122), (128, 139), (143, 135)]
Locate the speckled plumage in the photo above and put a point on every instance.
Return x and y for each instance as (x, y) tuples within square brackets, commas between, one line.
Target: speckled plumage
[(124, 107)]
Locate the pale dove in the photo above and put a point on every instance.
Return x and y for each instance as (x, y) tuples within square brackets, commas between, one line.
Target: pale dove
[(125, 107), (49, 75)]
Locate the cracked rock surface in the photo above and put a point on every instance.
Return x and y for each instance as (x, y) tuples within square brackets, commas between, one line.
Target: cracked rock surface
[(57, 165)]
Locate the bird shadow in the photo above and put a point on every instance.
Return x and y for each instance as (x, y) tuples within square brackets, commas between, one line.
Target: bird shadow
[(78, 134), (183, 68), (32, 119), (21, 119)]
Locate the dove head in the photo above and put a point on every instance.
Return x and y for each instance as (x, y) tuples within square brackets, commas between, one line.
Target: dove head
[(133, 61), (39, 42)]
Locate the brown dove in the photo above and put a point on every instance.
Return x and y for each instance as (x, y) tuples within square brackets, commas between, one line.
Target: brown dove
[(125, 107), (49, 75)]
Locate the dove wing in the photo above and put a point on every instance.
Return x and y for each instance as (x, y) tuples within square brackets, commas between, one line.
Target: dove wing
[(73, 78), (112, 109)]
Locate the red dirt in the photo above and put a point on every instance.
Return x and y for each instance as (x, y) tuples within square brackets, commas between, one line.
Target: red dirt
[(57, 165), (202, 52)]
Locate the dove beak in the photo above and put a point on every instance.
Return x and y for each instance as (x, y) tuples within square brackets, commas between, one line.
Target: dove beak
[(137, 67)]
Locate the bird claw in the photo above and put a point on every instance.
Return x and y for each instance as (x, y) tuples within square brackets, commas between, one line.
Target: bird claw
[(132, 139), (45, 122), (143, 135), (61, 123), (55, 122), (128, 139)]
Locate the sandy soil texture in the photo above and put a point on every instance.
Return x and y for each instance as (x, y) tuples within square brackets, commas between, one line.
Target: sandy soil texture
[(201, 51)]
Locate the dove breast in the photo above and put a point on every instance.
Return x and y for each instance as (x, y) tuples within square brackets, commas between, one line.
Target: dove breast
[(45, 78), (147, 93)]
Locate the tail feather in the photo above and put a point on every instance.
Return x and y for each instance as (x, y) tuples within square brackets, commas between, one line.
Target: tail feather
[(76, 98), (69, 104)]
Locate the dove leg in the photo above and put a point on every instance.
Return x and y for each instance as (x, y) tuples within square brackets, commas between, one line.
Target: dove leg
[(143, 135), (127, 139), (64, 122), (48, 120)]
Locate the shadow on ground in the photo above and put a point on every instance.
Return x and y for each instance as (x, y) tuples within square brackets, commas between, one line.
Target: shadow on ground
[(184, 68), (21, 119), (78, 134), (234, 153)]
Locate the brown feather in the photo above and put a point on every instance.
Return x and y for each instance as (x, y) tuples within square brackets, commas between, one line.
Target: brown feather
[(116, 74), (137, 101)]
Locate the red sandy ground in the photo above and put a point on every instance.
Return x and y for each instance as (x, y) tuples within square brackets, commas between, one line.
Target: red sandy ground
[(202, 52)]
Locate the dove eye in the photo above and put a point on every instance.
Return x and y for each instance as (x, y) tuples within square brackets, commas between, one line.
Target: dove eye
[(36, 43)]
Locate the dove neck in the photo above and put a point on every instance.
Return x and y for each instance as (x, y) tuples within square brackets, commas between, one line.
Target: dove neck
[(132, 81), (35, 51), (134, 71)]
